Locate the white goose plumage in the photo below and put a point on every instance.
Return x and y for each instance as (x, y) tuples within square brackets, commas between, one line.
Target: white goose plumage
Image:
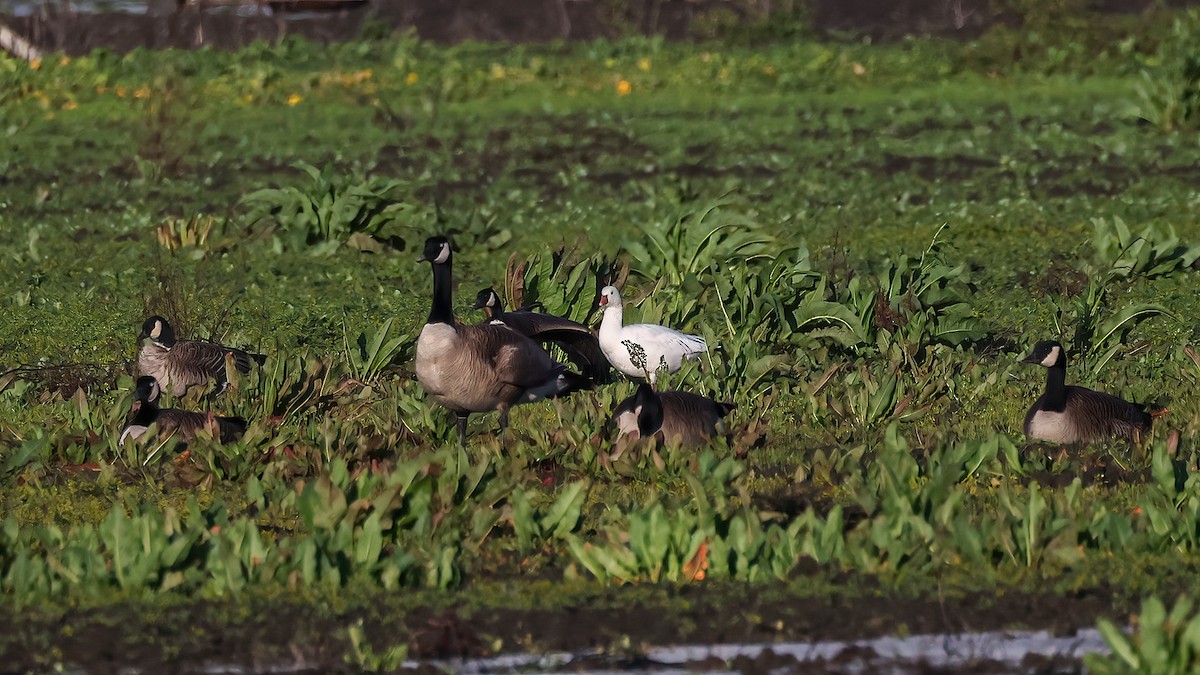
[(661, 347)]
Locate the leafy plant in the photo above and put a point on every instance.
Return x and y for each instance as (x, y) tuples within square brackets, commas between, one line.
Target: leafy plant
[(375, 349), (683, 250), (332, 208), (1164, 642), (561, 282), (1169, 94), (1149, 254), (187, 234), (1098, 335)]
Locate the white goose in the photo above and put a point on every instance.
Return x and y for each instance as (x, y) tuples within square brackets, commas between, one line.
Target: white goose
[(642, 349)]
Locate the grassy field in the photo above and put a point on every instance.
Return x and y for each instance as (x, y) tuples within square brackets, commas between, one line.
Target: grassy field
[(873, 235)]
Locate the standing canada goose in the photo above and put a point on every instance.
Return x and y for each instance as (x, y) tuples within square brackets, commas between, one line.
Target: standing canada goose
[(481, 367), (642, 349), (182, 364), (181, 424), (1070, 414), (575, 339), (672, 417)]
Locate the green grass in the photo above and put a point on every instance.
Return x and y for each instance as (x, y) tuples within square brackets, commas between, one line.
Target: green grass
[(868, 157)]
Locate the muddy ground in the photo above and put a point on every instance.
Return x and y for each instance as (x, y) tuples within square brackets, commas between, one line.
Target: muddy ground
[(304, 638)]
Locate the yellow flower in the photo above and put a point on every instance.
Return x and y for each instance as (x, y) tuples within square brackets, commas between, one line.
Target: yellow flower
[(64, 60), (768, 70), (858, 69), (142, 92), (644, 65), (248, 98), (412, 78), (100, 89), (365, 74), (70, 105), (623, 88), (294, 99), (498, 71), (36, 64), (120, 91)]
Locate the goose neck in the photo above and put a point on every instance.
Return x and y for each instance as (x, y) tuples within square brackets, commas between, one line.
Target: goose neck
[(1056, 388), (442, 310), (613, 318)]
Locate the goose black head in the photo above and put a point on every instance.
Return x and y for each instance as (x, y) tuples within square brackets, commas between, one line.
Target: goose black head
[(147, 390), (1048, 354), (437, 251), (649, 409), (488, 297), (156, 328)]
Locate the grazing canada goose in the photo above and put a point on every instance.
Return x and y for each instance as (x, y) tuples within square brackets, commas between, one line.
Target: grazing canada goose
[(575, 339), (642, 349), (181, 424), (182, 364), (1069, 414), (672, 417), (482, 367)]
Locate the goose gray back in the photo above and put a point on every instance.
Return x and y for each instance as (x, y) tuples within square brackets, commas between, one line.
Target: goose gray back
[(483, 367), (183, 364), (1073, 414)]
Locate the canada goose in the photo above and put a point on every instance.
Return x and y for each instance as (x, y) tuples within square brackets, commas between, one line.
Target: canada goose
[(481, 367), (642, 349), (182, 364), (1070, 414), (672, 417), (575, 339), (181, 424)]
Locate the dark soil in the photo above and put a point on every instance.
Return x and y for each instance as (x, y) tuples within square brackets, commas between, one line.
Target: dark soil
[(255, 636), (58, 29)]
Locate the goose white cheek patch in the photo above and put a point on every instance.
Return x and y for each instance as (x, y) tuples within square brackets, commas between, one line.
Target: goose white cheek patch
[(1052, 357), (443, 256), (157, 332)]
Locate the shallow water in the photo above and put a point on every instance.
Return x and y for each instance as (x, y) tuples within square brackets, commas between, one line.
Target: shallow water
[(999, 651), (156, 7)]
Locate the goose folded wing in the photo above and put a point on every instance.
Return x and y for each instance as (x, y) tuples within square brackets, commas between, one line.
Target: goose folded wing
[(1108, 414), (662, 338), (203, 357), (181, 423), (515, 359)]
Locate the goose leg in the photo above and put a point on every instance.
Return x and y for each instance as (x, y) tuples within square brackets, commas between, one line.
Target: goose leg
[(503, 421), (461, 423)]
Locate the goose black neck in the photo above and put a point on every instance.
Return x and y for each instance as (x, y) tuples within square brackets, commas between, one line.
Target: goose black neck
[(650, 419), (442, 310), (1055, 398), (146, 414)]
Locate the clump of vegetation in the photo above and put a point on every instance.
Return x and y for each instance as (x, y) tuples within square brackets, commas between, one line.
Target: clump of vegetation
[(1162, 643), (334, 210), (1169, 94)]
